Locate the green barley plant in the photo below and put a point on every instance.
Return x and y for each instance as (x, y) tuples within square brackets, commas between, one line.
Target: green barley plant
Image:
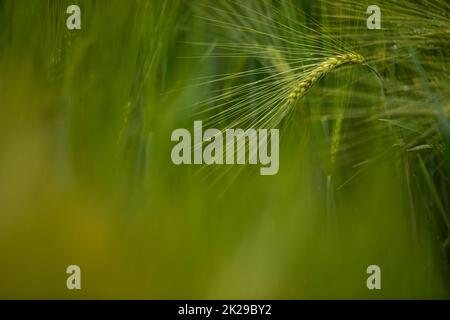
[(290, 58), (364, 118)]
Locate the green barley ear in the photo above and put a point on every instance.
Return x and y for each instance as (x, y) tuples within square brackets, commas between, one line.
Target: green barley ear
[(285, 58), (279, 63), (321, 71)]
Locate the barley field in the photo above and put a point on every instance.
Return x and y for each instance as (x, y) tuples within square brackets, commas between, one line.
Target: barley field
[(87, 179)]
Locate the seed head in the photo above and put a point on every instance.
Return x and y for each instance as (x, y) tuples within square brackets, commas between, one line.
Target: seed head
[(321, 70)]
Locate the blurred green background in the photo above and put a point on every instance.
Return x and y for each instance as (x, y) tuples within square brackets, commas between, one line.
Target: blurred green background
[(86, 176)]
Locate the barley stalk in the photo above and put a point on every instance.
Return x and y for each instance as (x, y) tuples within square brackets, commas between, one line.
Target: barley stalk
[(322, 70)]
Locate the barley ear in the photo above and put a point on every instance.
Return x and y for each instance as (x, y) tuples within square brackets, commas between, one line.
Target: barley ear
[(322, 70)]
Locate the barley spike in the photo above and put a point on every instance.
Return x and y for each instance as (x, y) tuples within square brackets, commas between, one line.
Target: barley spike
[(323, 69)]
